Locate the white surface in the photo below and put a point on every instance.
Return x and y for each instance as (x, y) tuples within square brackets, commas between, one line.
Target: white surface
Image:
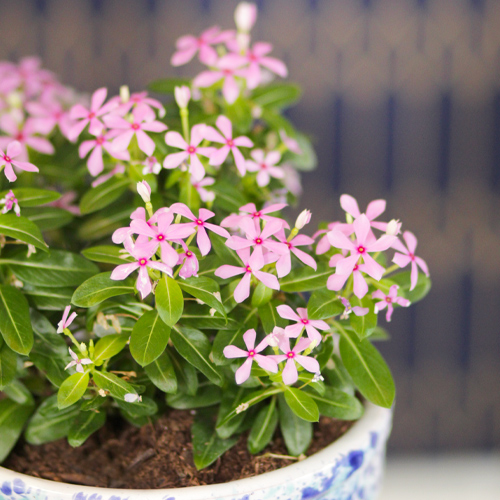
[(443, 477)]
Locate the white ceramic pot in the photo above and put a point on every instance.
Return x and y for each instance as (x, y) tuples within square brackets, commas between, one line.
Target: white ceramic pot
[(350, 468)]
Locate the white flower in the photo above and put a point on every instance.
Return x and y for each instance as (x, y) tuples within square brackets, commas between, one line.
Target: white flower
[(124, 93), (245, 16), (393, 227), (182, 96), (144, 191), (132, 398), (303, 219), (77, 361)]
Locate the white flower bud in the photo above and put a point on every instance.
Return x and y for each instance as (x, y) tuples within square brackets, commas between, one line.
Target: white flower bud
[(144, 191), (132, 398), (393, 227), (245, 16), (182, 96), (303, 219), (124, 93)]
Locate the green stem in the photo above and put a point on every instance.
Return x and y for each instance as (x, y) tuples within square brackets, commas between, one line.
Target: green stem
[(185, 123), (75, 342), (391, 269)]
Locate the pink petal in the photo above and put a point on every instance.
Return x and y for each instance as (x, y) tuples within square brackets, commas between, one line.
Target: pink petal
[(231, 351), (310, 364), (268, 279), (360, 287), (196, 168), (146, 144), (207, 78), (266, 363), (225, 126), (305, 258), (242, 291), (375, 208), (182, 209), (98, 98), (293, 331), (24, 165), (174, 160), (350, 205), (143, 283), (85, 147), (340, 240), (121, 142), (243, 141), (160, 266), (14, 149), (287, 312), (227, 271), (238, 160), (217, 229), (422, 264), (275, 65), (40, 144), (243, 372), (249, 338), (401, 260), (361, 228), (290, 374), (414, 275), (411, 241), (212, 135), (197, 134), (95, 163), (9, 172), (284, 265), (230, 90), (372, 268), (183, 56), (253, 75), (203, 241), (219, 156), (154, 126), (207, 55), (382, 244), (336, 281), (345, 266), (122, 271)]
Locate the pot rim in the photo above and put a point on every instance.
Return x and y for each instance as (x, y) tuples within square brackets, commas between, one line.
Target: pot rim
[(374, 418)]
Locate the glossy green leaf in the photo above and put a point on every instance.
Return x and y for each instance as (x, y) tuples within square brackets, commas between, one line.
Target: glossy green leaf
[(225, 254), (116, 386), (8, 364), (277, 95), (296, 432), (22, 229), (103, 224), (48, 298), (367, 368), (195, 348), (302, 404), (187, 376), (363, 325), (337, 404), (207, 396), (33, 197), (99, 288), (337, 376), (204, 288), (228, 197), (146, 407), (47, 218), (263, 428), (421, 289), (15, 324), (270, 318), (189, 195), (58, 269), (108, 254), (149, 338), (326, 351), (169, 300), (19, 393), (72, 389), (261, 295), (324, 304), (306, 279), (231, 397), (84, 425), (161, 372), (13, 417), (109, 346), (223, 339), (103, 195), (198, 316)]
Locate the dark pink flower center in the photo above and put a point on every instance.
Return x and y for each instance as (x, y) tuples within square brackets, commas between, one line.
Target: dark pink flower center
[(135, 126), (355, 268), (199, 222), (288, 244), (251, 353), (263, 166), (99, 140), (20, 137), (388, 300), (189, 253), (227, 72), (191, 150), (304, 321), (252, 57), (248, 269), (257, 214), (258, 241), (412, 256), (7, 158), (290, 355), (230, 143), (143, 261), (91, 115), (160, 237), (361, 249)]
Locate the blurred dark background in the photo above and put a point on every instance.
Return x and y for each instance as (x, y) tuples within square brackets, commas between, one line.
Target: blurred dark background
[(402, 99)]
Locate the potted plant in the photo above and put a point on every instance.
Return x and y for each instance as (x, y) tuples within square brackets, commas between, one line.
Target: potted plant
[(206, 299)]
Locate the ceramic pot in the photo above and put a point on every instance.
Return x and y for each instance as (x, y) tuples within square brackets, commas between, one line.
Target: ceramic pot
[(350, 468)]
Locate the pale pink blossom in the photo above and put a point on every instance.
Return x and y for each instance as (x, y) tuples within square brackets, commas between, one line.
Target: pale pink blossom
[(200, 225), (151, 166), (373, 210), (284, 264), (10, 202), (7, 161), (206, 196), (119, 169), (144, 191), (66, 321), (187, 46), (389, 300), (407, 255), (324, 244), (303, 218), (95, 162), (290, 374), (274, 338), (311, 325), (249, 211), (337, 281), (189, 262), (139, 99), (77, 362), (348, 309), (252, 354), (123, 233), (47, 115), (291, 144), (265, 165), (90, 116), (142, 122), (251, 267), (182, 96), (191, 151)]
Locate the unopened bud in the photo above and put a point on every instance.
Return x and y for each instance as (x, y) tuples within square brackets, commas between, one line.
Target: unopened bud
[(124, 93), (144, 191), (245, 16), (393, 227), (132, 398), (303, 219), (182, 96)]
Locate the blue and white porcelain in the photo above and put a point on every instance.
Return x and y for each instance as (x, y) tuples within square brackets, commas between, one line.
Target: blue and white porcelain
[(351, 468)]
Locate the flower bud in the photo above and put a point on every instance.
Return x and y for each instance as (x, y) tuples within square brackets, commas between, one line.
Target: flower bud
[(182, 96), (144, 191), (124, 93), (393, 227), (303, 219), (132, 398), (245, 16)]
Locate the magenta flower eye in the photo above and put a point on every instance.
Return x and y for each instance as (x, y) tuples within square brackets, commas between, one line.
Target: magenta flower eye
[(290, 355), (199, 222), (143, 262), (258, 241), (230, 143), (251, 353), (189, 253), (7, 158), (361, 249), (191, 150), (248, 269)]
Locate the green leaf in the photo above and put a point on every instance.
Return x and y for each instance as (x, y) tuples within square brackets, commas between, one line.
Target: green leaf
[(15, 324), (223, 339), (18, 392), (306, 161), (225, 254), (8, 364), (13, 417), (270, 318), (263, 428), (117, 387), (203, 288), (72, 389), (195, 348), (58, 269), (261, 295), (33, 197), (103, 195), (161, 372), (47, 218), (337, 404), (187, 376), (277, 95), (169, 300), (306, 279), (99, 288), (167, 85), (207, 445), (422, 288), (22, 229), (327, 347), (108, 254), (231, 397), (189, 195), (198, 316), (337, 376), (49, 423), (367, 368), (379, 334), (139, 409), (84, 425), (324, 304), (149, 338), (208, 396), (109, 346), (302, 404), (228, 197), (48, 298), (103, 224), (363, 325), (296, 432)]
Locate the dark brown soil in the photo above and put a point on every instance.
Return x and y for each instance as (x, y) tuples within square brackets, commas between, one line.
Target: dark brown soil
[(156, 456)]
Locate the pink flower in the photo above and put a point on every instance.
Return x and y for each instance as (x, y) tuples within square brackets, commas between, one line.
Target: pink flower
[(151, 166), (90, 116), (389, 300), (190, 151), (119, 169), (49, 114), (188, 45), (284, 264), (140, 99), (142, 252), (252, 266), (205, 195), (311, 325), (337, 281), (407, 255), (142, 122), (265, 362), (123, 233), (265, 166), (6, 160), (199, 223), (373, 210), (9, 202), (95, 163), (217, 158), (255, 58), (249, 211), (357, 310), (78, 362), (189, 261), (65, 321), (290, 374), (358, 249), (323, 244), (162, 234), (291, 144)]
